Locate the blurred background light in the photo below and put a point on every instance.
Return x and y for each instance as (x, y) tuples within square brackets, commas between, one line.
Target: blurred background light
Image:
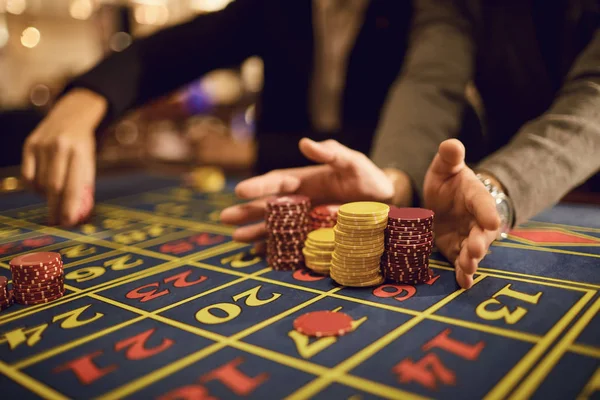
[(81, 9), (16, 7), (120, 41), (30, 37)]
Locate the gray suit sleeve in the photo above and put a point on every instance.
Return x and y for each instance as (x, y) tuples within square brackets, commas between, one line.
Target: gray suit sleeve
[(425, 104), (560, 149)]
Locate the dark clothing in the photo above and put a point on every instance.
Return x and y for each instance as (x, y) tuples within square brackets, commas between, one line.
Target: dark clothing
[(281, 33)]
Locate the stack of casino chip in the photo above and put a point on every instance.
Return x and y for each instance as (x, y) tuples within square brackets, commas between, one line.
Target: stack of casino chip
[(287, 226), (359, 244), (37, 278), (408, 245), (6, 296), (323, 216), (318, 250)]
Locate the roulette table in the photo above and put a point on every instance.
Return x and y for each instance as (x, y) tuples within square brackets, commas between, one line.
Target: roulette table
[(160, 303)]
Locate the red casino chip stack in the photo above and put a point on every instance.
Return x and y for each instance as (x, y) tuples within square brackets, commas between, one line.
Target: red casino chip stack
[(37, 278), (6, 297), (287, 227), (408, 245), (323, 216)]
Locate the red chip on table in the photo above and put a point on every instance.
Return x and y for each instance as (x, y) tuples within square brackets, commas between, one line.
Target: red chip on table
[(323, 323)]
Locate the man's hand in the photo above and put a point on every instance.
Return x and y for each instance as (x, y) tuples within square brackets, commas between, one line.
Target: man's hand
[(466, 220), (59, 159), (345, 176)]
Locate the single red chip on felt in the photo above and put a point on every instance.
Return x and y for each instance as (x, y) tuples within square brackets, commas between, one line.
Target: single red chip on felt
[(323, 323)]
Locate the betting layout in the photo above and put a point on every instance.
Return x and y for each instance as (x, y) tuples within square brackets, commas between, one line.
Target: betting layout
[(159, 305)]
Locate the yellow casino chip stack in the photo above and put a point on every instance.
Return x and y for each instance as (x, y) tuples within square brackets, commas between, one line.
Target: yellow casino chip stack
[(359, 243), (318, 250)]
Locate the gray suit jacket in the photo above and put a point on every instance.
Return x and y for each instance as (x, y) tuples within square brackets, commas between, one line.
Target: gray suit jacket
[(536, 65)]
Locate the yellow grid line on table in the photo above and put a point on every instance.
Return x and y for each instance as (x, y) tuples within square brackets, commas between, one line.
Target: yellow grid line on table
[(194, 225), (508, 333), (46, 354), (527, 279), (585, 350), (325, 380), (19, 237), (532, 382), (26, 362), (135, 385), (174, 263), (44, 391), (591, 387), (545, 249), (506, 384), (536, 224)]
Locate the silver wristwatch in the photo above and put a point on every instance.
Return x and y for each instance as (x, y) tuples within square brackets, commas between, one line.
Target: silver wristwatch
[(503, 204)]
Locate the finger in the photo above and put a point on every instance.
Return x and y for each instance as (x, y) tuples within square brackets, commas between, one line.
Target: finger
[(56, 183), (464, 281), (267, 185), (28, 164), (482, 206), (449, 160), (260, 248), (244, 213), (328, 152), (473, 251), (250, 233), (42, 166), (73, 192)]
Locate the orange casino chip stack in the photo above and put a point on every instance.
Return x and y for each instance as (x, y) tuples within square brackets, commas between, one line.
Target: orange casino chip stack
[(287, 226), (37, 278)]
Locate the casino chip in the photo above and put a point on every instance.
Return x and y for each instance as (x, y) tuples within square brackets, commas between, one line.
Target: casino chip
[(318, 250), (37, 278), (287, 226), (408, 244), (323, 216), (6, 297), (359, 244), (323, 323)]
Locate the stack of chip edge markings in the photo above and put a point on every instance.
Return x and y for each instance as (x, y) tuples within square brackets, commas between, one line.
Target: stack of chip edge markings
[(37, 278), (318, 250), (359, 244), (323, 216), (287, 226), (408, 245), (6, 297)]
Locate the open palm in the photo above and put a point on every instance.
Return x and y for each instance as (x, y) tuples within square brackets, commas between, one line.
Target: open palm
[(466, 220), (344, 175)]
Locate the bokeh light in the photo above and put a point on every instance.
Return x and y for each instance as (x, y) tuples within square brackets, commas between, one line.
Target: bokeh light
[(81, 9), (30, 37), (16, 7), (120, 41)]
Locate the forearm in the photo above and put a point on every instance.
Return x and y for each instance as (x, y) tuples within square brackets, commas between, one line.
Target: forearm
[(425, 105), (556, 152), (156, 65)]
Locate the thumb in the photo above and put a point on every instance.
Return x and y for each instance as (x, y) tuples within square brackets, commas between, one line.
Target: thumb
[(327, 152), (449, 160)]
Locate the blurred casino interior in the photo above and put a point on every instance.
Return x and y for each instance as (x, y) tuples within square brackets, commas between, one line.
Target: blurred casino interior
[(44, 43)]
